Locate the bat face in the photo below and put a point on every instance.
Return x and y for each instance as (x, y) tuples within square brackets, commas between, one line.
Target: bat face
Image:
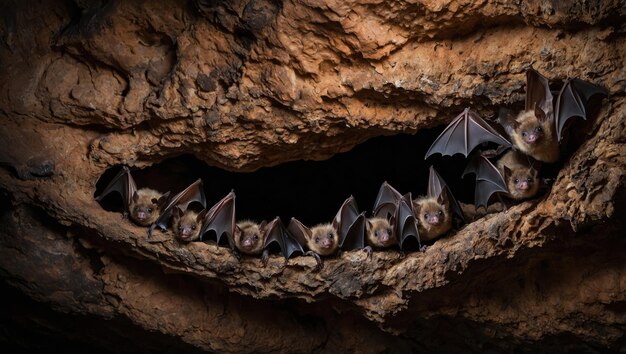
[(523, 183), (144, 206), (433, 216), (248, 237), (324, 240), (535, 137), (379, 233), (186, 225)]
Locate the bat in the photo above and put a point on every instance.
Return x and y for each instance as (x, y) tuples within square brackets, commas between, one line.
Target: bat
[(320, 240), (379, 233), (187, 225), (463, 134), (350, 225), (277, 236), (405, 224), (520, 174), (436, 210), (250, 237), (537, 130), (143, 205), (193, 193), (386, 201), (220, 221)]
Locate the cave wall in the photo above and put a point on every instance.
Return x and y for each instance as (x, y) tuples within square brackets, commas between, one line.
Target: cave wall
[(243, 85)]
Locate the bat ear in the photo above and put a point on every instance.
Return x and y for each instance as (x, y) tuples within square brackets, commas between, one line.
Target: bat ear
[(135, 197), (442, 199), (263, 224), (369, 224), (539, 113), (534, 172), (201, 215), (177, 212), (154, 201)]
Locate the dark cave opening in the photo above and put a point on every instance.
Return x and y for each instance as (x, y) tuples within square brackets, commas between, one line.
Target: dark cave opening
[(311, 191)]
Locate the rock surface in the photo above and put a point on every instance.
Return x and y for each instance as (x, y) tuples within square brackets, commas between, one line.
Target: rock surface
[(249, 84)]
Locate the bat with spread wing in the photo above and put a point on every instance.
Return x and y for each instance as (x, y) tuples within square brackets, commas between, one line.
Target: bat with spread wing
[(277, 236), (537, 130), (488, 179), (142, 205), (193, 193)]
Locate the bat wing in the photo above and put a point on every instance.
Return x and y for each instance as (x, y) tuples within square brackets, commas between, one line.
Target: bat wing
[(221, 220), (404, 222), (124, 184), (437, 186), (275, 233), (350, 225), (463, 134), (572, 101), (299, 232), (488, 179), (538, 94), (386, 201), (193, 193)]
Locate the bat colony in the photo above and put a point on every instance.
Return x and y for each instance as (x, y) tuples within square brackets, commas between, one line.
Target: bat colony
[(397, 220)]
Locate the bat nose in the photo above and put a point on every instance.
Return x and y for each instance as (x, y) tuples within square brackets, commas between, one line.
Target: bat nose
[(247, 242), (384, 237), (522, 186), (141, 215), (327, 243), (531, 138), (433, 220), (186, 231)]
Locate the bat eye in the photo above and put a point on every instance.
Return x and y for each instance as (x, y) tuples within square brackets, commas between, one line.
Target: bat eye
[(517, 180), (193, 227), (425, 215), (389, 231), (330, 235), (539, 129), (440, 212), (524, 134), (256, 237), (149, 210), (529, 179), (317, 239)]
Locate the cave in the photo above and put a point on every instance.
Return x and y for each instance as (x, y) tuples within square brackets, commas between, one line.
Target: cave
[(311, 191), (296, 106)]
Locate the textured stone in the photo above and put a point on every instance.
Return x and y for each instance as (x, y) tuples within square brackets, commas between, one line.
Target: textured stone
[(250, 84)]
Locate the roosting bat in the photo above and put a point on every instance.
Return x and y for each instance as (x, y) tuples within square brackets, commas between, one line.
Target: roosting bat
[(398, 210), (537, 130), (436, 211), (320, 240), (193, 193), (143, 204), (250, 237), (277, 235), (350, 225), (488, 179), (220, 221)]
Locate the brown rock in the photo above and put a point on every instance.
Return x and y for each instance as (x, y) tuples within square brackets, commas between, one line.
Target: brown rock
[(249, 84)]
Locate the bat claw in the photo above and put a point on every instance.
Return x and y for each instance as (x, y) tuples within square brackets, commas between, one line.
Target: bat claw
[(423, 248), (265, 258), (368, 250), (237, 255), (320, 264)]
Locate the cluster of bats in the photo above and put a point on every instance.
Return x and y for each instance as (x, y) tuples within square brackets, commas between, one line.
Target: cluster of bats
[(397, 220)]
